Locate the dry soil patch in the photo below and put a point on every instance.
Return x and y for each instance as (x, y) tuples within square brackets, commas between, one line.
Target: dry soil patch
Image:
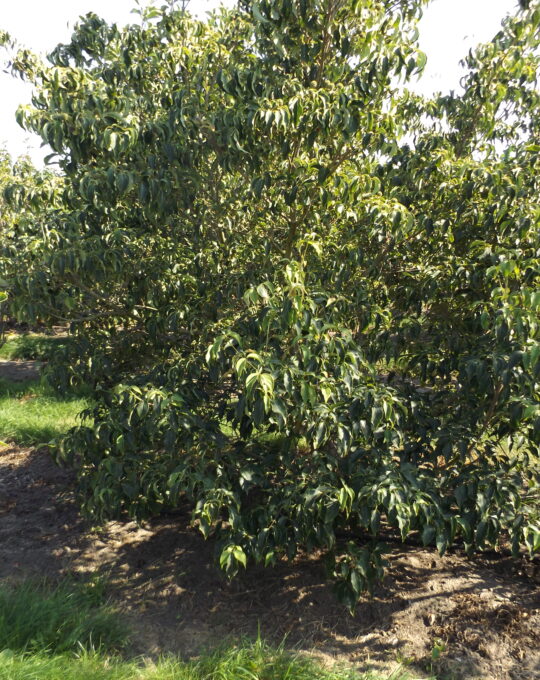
[(19, 371)]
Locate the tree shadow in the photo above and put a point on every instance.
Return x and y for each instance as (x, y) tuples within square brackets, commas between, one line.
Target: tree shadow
[(164, 577)]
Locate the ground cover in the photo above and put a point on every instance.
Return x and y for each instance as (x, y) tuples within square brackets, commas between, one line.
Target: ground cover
[(30, 346), (62, 617), (49, 631), (30, 412), (243, 663)]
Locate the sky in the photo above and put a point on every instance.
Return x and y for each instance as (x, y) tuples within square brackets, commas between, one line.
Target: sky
[(448, 30)]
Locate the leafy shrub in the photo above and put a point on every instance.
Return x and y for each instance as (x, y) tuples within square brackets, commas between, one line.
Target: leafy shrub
[(304, 297)]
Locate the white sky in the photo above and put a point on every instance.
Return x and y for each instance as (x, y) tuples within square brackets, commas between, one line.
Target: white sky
[(447, 31)]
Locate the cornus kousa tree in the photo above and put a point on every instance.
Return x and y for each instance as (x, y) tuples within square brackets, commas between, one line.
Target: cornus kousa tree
[(307, 299)]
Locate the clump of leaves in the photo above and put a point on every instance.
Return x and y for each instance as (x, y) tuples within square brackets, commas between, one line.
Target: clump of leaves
[(290, 315)]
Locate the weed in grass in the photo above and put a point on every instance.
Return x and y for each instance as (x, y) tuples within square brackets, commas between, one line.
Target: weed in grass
[(70, 617), (31, 413)]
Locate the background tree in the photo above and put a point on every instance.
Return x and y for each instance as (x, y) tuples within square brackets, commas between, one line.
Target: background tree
[(28, 211), (5, 177), (306, 299)]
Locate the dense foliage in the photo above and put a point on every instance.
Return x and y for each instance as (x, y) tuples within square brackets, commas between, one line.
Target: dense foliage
[(306, 298), (25, 199), (6, 219)]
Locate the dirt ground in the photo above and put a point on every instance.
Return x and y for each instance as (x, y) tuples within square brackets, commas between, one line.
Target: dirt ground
[(19, 371), (164, 578)]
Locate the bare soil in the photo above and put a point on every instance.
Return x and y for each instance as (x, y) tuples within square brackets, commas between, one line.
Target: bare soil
[(20, 371), (163, 577)]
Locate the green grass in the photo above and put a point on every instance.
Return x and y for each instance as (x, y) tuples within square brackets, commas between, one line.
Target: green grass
[(244, 662), (31, 413), (36, 616), (45, 667), (31, 346)]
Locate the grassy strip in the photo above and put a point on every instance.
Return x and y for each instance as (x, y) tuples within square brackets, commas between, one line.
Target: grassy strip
[(31, 346), (32, 414), (45, 667), (245, 662), (37, 617)]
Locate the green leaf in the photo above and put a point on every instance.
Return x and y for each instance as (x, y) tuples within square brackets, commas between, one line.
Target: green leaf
[(320, 435), (461, 495), (428, 535), (442, 541), (240, 555), (292, 291)]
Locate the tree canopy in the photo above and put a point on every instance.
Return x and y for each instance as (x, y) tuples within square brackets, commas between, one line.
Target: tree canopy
[(306, 298)]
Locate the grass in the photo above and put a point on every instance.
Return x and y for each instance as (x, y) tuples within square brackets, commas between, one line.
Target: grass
[(69, 632), (36, 616), (244, 663), (32, 414), (45, 667), (30, 346)]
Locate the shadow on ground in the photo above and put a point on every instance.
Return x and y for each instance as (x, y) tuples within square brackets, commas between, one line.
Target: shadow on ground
[(20, 371), (164, 577)]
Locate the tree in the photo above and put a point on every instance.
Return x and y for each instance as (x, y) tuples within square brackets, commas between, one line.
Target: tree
[(5, 219), (307, 299), (27, 212)]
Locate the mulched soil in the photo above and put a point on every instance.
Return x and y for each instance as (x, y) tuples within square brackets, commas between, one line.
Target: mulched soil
[(163, 576)]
